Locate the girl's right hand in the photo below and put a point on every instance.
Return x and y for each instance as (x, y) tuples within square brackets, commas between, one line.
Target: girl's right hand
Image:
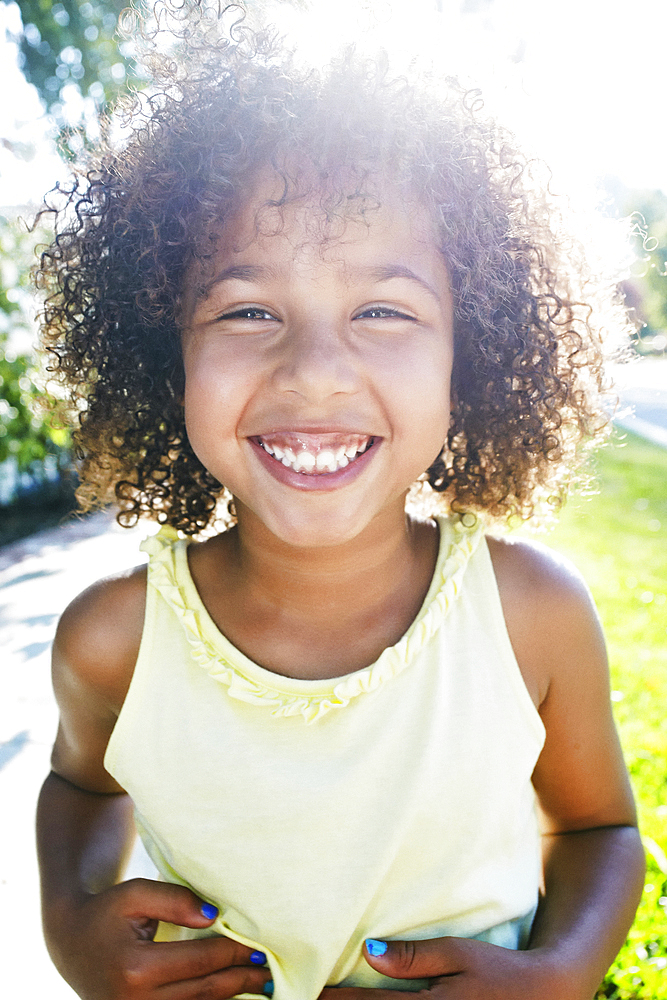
[(108, 951)]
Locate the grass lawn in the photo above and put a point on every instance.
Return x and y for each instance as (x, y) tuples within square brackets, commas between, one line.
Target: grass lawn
[(618, 539)]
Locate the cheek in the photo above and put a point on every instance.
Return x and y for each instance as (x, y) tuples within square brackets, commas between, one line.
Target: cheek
[(211, 382), (207, 406), (422, 383), (434, 409)]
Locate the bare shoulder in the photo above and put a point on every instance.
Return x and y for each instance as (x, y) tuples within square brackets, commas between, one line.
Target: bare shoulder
[(99, 633), (94, 655), (550, 615), (531, 571)]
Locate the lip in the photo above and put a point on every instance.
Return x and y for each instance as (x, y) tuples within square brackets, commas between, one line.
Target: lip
[(321, 483)]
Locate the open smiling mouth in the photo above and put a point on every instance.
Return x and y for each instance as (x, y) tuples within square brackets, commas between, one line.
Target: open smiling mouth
[(316, 454)]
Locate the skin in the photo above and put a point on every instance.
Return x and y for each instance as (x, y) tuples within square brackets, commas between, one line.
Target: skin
[(347, 336)]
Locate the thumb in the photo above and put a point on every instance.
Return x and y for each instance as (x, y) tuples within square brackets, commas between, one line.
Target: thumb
[(415, 959), (165, 901)]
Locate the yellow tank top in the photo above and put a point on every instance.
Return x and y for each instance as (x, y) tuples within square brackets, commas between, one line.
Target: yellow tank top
[(393, 802)]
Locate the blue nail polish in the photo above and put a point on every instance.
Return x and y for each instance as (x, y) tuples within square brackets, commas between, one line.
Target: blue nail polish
[(258, 958), (268, 988), (209, 911), (376, 948)]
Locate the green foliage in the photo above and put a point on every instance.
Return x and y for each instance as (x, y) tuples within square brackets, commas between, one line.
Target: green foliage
[(25, 435), (618, 539), (652, 206), (649, 211), (73, 44), (71, 53)]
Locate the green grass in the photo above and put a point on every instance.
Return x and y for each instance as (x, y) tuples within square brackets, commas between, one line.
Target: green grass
[(618, 539)]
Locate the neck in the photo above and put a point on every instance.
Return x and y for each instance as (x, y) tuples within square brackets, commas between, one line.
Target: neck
[(329, 577), (315, 611)]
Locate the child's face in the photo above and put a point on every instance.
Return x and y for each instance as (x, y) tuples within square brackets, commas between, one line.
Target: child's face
[(317, 372)]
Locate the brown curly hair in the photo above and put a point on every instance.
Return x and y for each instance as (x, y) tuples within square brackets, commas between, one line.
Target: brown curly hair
[(529, 319)]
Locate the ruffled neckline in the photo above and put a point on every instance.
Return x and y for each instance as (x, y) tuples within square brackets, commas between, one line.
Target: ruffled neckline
[(169, 574)]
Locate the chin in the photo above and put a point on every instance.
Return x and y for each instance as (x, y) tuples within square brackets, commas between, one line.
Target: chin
[(317, 530)]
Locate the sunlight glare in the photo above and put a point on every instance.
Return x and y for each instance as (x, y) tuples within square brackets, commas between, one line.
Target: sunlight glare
[(580, 83)]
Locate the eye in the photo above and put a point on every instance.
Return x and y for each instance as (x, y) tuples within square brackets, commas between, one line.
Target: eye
[(250, 313), (382, 312)]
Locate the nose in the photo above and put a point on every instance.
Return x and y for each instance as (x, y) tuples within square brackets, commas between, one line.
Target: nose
[(317, 362)]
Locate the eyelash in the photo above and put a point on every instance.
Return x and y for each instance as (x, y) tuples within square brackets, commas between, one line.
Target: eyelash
[(373, 312), (380, 312), (258, 313)]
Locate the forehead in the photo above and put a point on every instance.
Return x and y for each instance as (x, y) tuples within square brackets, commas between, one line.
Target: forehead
[(306, 222)]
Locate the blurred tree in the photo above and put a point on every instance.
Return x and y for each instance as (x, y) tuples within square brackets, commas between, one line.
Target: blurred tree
[(32, 450), (646, 291), (652, 206), (72, 54)]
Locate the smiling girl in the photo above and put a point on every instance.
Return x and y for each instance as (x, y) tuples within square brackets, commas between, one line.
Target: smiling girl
[(292, 299)]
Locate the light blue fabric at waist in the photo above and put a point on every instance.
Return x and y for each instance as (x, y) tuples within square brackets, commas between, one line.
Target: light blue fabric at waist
[(512, 934)]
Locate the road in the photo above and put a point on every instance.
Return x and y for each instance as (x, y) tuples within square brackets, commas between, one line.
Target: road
[(642, 388)]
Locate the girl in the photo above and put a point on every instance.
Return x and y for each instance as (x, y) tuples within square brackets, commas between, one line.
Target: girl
[(295, 298)]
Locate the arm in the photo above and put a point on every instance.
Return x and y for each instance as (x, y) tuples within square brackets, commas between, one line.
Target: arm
[(593, 859), (100, 931), (593, 883)]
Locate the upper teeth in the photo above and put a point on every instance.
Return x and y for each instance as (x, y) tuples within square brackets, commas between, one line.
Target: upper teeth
[(328, 460)]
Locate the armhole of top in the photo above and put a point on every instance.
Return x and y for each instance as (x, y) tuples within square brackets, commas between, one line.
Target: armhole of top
[(140, 676), (499, 625)]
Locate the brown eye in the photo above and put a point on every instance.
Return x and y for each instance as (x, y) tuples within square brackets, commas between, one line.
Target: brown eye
[(382, 312), (248, 312)]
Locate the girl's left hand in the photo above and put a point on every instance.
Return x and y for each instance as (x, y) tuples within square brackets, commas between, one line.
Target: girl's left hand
[(464, 969)]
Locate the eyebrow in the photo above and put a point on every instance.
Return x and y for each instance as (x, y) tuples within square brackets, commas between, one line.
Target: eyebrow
[(387, 272), (238, 272), (256, 272)]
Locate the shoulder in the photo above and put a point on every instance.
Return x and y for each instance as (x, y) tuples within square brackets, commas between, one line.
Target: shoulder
[(533, 569), (99, 634), (549, 612), (94, 654)]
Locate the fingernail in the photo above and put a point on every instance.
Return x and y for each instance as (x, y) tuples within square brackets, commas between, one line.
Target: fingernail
[(268, 988), (209, 911), (258, 958), (376, 948)]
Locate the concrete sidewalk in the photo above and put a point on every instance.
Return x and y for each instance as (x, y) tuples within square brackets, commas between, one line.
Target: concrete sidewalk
[(38, 578)]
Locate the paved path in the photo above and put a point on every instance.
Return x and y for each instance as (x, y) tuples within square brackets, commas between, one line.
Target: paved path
[(38, 577), (643, 391)]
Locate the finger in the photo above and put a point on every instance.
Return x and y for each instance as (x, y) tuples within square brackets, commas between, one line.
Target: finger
[(171, 961), (144, 898), (417, 959), (221, 985), (359, 993)]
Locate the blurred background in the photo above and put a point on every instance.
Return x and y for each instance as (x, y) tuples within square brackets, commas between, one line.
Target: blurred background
[(582, 83)]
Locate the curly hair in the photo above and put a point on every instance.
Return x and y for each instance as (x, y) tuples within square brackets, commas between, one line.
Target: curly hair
[(529, 315)]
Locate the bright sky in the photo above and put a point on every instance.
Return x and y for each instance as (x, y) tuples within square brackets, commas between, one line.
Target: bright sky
[(581, 81)]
